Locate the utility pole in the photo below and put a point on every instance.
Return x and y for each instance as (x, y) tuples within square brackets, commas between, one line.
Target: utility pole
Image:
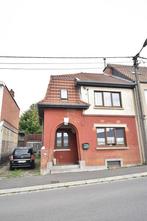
[(139, 104)]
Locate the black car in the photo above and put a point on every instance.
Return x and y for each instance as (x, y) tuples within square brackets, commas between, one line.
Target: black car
[(22, 157)]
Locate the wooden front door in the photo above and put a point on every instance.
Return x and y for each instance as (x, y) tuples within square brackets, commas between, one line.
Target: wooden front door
[(65, 151)]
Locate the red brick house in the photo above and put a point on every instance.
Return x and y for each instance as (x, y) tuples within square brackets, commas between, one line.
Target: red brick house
[(89, 121), (9, 120)]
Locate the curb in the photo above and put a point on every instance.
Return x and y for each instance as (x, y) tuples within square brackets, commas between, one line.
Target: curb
[(70, 184)]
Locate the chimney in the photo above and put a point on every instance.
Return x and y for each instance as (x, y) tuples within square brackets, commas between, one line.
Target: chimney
[(12, 93)]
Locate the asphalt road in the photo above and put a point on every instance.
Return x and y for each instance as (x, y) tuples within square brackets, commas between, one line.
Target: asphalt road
[(121, 201)]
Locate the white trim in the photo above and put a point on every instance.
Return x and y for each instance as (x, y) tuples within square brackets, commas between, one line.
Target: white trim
[(30, 142), (64, 93), (114, 159), (56, 150), (82, 164), (112, 148), (110, 125)]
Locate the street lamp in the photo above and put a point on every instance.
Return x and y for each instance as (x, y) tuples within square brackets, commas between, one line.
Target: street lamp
[(139, 106), (135, 58)]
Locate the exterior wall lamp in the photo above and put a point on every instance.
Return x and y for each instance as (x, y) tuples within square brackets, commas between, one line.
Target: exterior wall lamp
[(66, 121)]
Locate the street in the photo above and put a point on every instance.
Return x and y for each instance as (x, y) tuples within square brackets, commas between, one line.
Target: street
[(125, 200)]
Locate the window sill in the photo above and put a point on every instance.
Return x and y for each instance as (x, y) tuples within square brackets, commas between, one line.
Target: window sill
[(56, 150), (112, 148), (108, 108)]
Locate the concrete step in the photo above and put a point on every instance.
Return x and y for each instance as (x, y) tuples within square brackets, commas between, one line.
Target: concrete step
[(65, 169)]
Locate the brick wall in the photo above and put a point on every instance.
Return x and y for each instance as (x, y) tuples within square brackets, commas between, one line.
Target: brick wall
[(86, 133), (10, 110)]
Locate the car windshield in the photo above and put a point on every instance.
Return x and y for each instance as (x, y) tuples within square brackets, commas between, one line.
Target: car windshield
[(20, 152)]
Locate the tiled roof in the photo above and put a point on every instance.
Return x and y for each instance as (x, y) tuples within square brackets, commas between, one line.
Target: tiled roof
[(68, 81), (89, 77), (101, 78), (128, 71), (53, 92), (59, 82)]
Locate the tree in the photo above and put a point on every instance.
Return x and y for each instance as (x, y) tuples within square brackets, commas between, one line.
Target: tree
[(29, 121)]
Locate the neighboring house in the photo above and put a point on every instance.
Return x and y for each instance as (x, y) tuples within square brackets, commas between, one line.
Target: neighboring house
[(127, 72), (9, 119), (88, 121), (34, 141), (30, 140)]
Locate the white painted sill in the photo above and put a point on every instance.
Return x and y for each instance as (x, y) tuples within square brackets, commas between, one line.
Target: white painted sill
[(108, 108), (112, 148), (56, 150)]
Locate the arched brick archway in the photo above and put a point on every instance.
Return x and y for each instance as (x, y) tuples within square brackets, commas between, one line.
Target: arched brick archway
[(65, 150)]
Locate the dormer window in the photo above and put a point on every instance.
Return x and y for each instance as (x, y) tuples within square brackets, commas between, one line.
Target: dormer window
[(64, 94)]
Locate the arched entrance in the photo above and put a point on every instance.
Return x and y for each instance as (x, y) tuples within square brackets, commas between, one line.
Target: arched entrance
[(65, 150)]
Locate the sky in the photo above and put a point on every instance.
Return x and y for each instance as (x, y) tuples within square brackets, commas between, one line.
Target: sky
[(65, 28)]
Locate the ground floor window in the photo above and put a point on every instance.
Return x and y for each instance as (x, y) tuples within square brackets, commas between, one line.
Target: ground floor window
[(62, 139), (110, 136)]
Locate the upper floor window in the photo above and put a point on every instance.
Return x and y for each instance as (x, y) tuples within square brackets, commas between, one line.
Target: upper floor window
[(64, 94), (107, 99)]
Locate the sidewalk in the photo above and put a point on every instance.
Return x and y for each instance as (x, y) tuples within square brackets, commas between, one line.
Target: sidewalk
[(34, 183)]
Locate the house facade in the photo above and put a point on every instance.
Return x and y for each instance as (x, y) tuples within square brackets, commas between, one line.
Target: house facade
[(30, 140), (9, 119), (127, 72), (89, 121)]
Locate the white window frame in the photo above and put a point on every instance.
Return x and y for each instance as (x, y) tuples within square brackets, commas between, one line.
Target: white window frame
[(64, 94)]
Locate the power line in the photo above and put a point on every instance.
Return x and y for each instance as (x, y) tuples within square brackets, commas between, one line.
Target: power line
[(49, 69), (53, 61), (62, 57), (56, 63), (49, 63), (60, 63), (143, 58)]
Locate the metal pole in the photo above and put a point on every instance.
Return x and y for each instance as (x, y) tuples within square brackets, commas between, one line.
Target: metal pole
[(140, 112)]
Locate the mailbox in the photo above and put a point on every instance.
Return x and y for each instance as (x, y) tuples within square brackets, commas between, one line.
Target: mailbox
[(85, 146)]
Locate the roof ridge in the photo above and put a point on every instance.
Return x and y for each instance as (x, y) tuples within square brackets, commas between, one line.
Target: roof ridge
[(75, 74), (123, 65)]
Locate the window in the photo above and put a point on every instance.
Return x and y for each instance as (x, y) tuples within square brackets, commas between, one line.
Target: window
[(98, 99), (62, 140), (59, 139), (107, 99), (110, 136), (116, 99), (63, 94)]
